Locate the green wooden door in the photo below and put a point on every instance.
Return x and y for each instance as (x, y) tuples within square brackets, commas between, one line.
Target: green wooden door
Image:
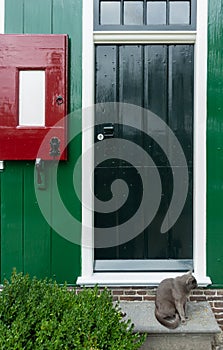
[(160, 79), (27, 241)]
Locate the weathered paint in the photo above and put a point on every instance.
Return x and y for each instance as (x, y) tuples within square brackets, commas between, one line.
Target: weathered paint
[(25, 53), (215, 145), (28, 242)]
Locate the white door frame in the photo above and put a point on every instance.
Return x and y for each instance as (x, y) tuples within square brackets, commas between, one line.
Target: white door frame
[(2, 16), (199, 38)]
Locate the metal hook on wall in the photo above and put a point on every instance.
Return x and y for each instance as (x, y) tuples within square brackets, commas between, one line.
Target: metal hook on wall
[(40, 174)]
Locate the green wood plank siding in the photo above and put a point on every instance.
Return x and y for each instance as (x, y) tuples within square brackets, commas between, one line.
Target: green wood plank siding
[(14, 14), (67, 19), (215, 144), (37, 233), (12, 220), (37, 16), (28, 242)]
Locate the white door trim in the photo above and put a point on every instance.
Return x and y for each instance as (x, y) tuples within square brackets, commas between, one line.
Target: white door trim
[(87, 251), (2, 16), (200, 147)]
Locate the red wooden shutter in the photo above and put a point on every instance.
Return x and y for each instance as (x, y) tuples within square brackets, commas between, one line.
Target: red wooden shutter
[(47, 53)]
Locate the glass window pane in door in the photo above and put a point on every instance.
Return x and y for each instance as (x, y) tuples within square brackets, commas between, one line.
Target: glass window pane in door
[(179, 12), (110, 12), (156, 12), (133, 12)]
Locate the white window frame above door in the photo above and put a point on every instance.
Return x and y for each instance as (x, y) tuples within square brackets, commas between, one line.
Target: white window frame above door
[(199, 39)]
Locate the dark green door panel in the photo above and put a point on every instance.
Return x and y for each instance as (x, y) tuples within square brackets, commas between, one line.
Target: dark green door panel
[(130, 66), (159, 78), (156, 83), (27, 241)]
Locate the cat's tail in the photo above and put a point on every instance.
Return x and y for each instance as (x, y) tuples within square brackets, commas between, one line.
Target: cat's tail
[(169, 322)]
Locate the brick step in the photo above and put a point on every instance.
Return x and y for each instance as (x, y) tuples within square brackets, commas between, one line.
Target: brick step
[(198, 333)]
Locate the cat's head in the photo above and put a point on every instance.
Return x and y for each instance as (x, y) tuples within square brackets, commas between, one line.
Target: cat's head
[(191, 282)]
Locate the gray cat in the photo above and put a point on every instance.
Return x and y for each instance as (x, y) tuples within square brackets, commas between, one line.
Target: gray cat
[(171, 297)]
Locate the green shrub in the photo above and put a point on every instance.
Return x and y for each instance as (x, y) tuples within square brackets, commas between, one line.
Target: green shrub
[(40, 314)]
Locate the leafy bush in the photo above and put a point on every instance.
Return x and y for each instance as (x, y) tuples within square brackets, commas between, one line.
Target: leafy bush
[(40, 314)]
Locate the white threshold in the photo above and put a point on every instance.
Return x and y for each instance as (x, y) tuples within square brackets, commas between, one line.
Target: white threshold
[(139, 279)]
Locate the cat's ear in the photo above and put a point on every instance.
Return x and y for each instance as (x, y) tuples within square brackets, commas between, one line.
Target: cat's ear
[(189, 279)]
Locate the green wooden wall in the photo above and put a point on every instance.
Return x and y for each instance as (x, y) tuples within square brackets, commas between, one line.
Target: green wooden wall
[(27, 241), (215, 144)]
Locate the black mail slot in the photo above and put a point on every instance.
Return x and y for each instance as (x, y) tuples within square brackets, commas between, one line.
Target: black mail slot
[(108, 131)]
